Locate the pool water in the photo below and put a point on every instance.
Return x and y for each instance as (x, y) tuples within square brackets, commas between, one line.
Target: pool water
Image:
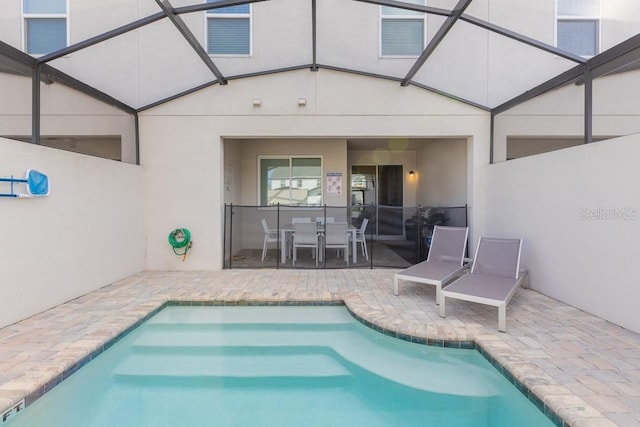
[(278, 366)]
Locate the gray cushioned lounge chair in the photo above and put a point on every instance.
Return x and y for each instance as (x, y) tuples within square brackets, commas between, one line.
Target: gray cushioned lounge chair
[(494, 277), (445, 260)]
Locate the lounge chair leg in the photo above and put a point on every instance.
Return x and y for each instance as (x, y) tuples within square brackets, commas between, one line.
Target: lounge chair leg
[(443, 299), (438, 294), (502, 318), (395, 286), (524, 274)]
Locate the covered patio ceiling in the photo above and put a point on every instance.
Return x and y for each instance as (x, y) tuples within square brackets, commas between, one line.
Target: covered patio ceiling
[(198, 70)]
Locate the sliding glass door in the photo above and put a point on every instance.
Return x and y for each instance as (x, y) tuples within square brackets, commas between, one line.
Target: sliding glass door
[(377, 194)]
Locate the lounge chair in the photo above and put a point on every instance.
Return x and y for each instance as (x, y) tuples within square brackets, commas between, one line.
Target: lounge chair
[(494, 277), (445, 260)]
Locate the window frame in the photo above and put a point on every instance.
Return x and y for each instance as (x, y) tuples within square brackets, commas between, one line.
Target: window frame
[(290, 179), (581, 18), (408, 15), (27, 16), (211, 13)]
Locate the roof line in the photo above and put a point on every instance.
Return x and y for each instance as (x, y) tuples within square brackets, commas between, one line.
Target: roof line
[(102, 37), (72, 82), (409, 6), (213, 5), (521, 38), (398, 79), (17, 55), (450, 96), (615, 57), (560, 80), (214, 82), (446, 26), (311, 67), (606, 62), (180, 25), (482, 24), (49, 74)]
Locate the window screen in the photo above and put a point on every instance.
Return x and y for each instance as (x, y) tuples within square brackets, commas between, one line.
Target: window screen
[(578, 36), (45, 25), (578, 26), (401, 31), (229, 30)]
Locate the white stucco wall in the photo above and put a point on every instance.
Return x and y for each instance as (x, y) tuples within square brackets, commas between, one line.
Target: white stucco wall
[(578, 211), (64, 113), (560, 113), (182, 150), (86, 234), (442, 180), (471, 62)]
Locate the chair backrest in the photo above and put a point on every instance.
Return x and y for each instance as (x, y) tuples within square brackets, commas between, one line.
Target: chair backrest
[(448, 244), (363, 226), (497, 257), (305, 233), (336, 233), (329, 219), (298, 220), (265, 226)]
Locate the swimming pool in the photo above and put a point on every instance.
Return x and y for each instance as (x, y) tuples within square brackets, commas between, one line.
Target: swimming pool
[(284, 366)]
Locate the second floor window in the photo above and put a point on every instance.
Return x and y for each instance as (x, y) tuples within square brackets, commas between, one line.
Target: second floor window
[(578, 26), (45, 25), (401, 31), (229, 30)]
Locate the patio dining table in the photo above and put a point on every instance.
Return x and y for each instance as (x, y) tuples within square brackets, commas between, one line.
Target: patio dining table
[(287, 229)]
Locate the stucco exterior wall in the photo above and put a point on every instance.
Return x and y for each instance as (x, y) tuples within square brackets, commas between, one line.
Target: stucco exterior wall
[(182, 149), (155, 62), (442, 178), (579, 214), (86, 234), (560, 113), (64, 112)]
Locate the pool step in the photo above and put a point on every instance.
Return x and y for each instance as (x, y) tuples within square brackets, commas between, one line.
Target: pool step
[(217, 365), (456, 378), (210, 336)]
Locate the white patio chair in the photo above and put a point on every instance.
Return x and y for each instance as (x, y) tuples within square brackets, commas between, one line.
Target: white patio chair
[(361, 238), (320, 219), (305, 235), (300, 220), (335, 237), (270, 236), (295, 220)]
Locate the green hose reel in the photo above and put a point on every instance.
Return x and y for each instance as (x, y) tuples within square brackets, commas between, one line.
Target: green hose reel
[(180, 238)]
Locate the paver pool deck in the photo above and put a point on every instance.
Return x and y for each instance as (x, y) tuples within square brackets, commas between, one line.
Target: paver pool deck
[(583, 368)]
